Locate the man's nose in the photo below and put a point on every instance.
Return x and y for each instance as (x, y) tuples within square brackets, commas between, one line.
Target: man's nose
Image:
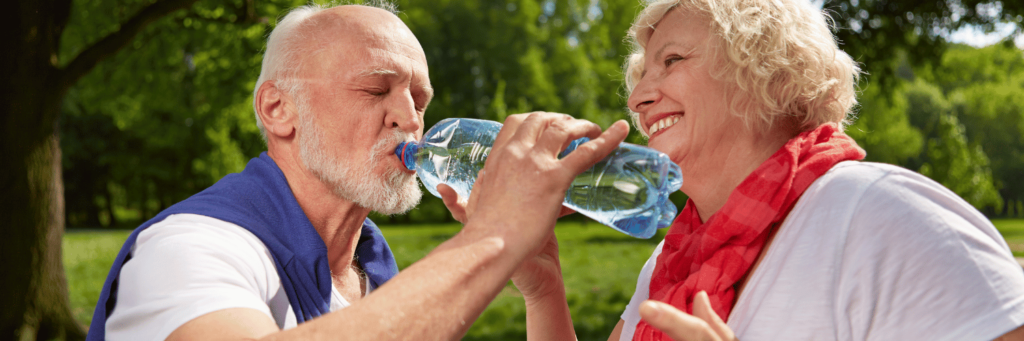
[(403, 115)]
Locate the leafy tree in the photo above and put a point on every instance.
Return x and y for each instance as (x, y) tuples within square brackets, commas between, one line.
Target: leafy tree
[(961, 167), (994, 117), (986, 89), (56, 47), (893, 127), (883, 127), (179, 105), (881, 33)]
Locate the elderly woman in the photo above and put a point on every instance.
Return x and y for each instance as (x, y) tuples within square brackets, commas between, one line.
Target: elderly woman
[(786, 236)]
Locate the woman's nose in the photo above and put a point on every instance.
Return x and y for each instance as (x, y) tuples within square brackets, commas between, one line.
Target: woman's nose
[(642, 97)]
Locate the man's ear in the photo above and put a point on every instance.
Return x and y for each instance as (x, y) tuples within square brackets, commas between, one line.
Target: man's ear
[(275, 110)]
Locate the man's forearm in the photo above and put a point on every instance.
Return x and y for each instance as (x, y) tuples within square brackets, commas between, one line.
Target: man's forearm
[(437, 298)]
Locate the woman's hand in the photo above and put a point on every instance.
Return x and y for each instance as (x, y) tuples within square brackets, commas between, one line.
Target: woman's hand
[(703, 325), (540, 277)]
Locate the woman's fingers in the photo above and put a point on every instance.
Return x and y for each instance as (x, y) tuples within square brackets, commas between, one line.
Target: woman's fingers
[(452, 201), (704, 324), (566, 211), (702, 309), (676, 324)]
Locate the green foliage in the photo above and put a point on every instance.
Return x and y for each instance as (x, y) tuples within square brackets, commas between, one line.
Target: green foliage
[(964, 66), (993, 115), (969, 109), (881, 34), (892, 128), (492, 58), (170, 114), (991, 108), (961, 167), (165, 117), (882, 127)]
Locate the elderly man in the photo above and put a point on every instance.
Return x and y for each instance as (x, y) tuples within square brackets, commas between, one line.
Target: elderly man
[(279, 250)]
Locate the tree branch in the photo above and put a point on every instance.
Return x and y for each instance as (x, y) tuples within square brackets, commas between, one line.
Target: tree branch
[(113, 42)]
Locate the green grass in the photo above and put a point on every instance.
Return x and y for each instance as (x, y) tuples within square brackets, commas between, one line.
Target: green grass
[(600, 267), (87, 259), (1013, 231)]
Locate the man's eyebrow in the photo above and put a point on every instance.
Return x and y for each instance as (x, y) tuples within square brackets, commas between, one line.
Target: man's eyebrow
[(429, 90), (376, 72)]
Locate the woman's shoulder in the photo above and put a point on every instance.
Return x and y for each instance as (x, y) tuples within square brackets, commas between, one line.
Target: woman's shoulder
[(883, 194), (914, 248), (864, 175), (854, 184), (884, 212), (873, 207)]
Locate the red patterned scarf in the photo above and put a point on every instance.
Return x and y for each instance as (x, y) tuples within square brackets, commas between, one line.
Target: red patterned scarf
[(716, 255)]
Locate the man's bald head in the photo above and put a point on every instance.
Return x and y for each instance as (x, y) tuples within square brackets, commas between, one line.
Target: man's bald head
[(307, 29), (350, 32)]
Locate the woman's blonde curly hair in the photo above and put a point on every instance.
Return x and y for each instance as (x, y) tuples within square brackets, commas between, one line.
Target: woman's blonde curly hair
[(780, 55)]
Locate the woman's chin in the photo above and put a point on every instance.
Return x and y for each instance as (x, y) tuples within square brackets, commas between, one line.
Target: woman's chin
[(666, 144)]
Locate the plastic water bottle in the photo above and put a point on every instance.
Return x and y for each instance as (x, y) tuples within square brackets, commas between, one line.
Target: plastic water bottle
[(627, 190)]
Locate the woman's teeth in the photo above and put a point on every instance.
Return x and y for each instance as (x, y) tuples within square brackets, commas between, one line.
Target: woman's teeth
[(662, 124)]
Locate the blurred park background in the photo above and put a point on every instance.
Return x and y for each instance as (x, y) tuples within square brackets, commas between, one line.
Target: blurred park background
[(145, 113)]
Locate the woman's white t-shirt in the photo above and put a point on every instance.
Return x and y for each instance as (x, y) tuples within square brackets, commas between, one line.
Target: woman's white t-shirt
[(875, 252), (189, 265)]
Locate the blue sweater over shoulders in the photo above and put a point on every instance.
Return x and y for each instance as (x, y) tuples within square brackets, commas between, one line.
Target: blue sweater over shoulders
[(259, 200)]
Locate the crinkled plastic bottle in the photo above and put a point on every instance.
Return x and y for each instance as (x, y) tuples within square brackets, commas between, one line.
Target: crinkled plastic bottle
[(627, 190)]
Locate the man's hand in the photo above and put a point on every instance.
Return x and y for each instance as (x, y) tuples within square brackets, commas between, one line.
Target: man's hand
[(457, 206), (703, 325), (537, 276), (519, 192)]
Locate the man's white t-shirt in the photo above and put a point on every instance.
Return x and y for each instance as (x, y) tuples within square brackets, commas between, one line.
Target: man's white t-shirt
[(189, 265), (875, 252)]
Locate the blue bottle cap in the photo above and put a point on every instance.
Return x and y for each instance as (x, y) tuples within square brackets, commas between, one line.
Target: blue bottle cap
[(405, 152)]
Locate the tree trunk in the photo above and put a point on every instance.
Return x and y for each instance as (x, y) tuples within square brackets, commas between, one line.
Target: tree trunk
[(34, 302), (33, 289), (35, 295), (111, 219)]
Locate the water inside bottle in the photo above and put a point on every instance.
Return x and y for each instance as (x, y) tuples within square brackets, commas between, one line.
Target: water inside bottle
[(628, 190)]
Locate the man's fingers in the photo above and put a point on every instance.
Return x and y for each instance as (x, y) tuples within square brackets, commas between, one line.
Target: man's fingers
[(702, 309), (589, 153), (675, 323), (451, 200), (508, 129), (535, 125), (560, 133)]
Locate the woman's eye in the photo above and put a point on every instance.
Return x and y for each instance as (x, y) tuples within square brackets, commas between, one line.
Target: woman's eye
[(672, 59), (377, 92)]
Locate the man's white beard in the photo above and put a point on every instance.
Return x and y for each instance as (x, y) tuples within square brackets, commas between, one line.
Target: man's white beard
[(392, 192)]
